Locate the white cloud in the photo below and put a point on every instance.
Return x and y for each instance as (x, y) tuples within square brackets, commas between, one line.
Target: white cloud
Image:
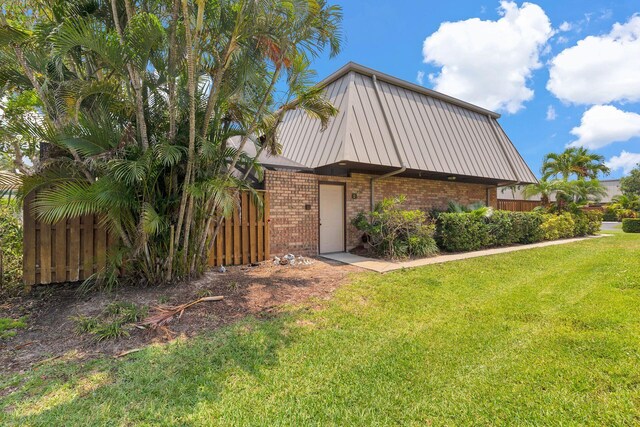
[(562, 40), (625, 161), (489, 62), (551, 113), (565, 26), (600, 69), (420, 77), (602, 125)]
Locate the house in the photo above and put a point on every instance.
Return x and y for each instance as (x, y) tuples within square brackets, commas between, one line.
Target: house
[(390, 137)]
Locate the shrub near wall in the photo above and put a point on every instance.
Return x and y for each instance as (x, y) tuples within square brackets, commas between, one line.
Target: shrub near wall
[(631, 225), (461, 232), (393, 232)]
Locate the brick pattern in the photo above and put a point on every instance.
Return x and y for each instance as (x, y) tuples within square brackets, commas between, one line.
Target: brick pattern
[(294, 228)]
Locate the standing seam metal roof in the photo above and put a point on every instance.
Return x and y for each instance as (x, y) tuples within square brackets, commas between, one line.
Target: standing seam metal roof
[(434, 132)]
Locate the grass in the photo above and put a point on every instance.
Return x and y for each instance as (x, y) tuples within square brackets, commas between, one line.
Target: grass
[(113, 322), (8, 327), (549, 336)]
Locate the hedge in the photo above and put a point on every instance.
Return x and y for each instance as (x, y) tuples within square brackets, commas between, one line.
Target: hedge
[(461, 232), (11, 246), (631, 225)]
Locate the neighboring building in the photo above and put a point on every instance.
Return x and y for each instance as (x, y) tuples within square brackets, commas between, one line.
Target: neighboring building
[(613, 189), (516, 192), (390, 137)]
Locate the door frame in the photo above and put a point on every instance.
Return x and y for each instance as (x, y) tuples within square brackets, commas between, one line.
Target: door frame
[(344, 212)]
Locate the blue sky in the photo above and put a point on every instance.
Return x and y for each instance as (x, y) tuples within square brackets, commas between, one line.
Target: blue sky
[(567, 64)]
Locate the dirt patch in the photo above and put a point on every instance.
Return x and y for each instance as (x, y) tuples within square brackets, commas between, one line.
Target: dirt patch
[(258, 290)]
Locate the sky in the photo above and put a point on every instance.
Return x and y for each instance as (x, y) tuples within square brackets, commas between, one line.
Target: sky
[(561, 73)]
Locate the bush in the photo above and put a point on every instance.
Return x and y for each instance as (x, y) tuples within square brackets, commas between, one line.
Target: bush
[(526, 227), (560, 226), (460, 232), (610, 214), (613, 213), (396, 233), (594, 221), (11, 247), (501, 230), (631, 225)]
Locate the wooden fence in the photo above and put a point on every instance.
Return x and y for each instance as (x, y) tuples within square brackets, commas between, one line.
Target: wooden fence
[(244, 237), (74, 249), (518, 205)]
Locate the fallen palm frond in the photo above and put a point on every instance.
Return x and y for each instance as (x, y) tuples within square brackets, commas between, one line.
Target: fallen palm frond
[(163, 314)]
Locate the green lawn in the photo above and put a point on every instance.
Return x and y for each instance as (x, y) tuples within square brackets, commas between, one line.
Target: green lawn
[(540, 337)]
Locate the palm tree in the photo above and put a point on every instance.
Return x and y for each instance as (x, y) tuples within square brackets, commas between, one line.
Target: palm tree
[(545, 189), (623, 201), (584, 191), (576, 161), (139, 100)]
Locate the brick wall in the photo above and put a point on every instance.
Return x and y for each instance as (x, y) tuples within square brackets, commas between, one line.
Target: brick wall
[(295, 228)]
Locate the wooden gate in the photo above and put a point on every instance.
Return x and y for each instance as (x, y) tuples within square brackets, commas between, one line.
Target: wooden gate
[(74, 249), (244, 237)]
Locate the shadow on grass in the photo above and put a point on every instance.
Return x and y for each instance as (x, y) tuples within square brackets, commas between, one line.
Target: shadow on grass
[(159, 385)]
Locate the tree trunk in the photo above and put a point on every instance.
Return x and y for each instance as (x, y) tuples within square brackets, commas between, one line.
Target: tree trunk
[(135, 79), (192, 47), (171, 70)]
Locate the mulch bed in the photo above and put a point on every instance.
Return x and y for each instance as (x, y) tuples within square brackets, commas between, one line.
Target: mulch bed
[(258, 291)]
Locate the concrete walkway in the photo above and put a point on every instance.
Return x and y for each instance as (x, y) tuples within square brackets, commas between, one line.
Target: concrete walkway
[(382, 266), (608, 225)]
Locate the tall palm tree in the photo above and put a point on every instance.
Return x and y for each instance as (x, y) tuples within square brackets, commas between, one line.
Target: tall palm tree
[(545, 189), (576, 161)]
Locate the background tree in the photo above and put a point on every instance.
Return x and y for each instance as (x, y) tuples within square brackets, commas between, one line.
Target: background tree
[(557, 171), (139, 100), (574, 161), (630, 184)]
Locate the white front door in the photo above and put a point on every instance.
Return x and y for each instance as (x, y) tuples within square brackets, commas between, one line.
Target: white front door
[(331, 218)]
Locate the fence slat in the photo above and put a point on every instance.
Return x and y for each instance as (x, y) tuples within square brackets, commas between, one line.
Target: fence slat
[(237, 254), (87, 250), (61, 250), (252, 231), (260, 226), (45, 253), (228, 255), (266, 219), (245, 228), (101, 247), (220, 247), (74, 249)]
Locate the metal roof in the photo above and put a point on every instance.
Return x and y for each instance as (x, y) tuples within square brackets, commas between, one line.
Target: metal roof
[(385, 121), (265, 159)]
